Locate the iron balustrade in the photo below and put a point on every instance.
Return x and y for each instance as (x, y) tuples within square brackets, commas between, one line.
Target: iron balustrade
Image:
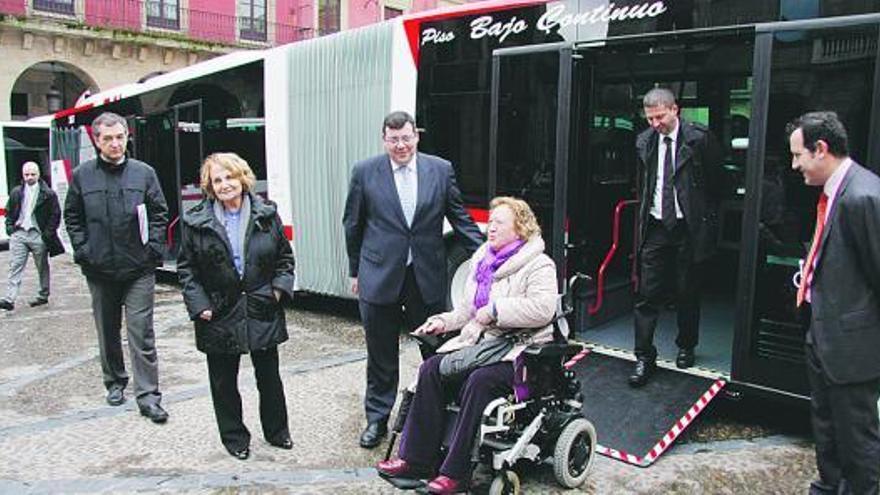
[(149, 15)]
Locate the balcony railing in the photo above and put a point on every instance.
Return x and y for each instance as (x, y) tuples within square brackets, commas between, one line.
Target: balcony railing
[(54, 6), (199, 25)]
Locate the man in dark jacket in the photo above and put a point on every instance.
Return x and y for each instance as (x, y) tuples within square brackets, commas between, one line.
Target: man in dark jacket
[(116, 216), (679, 164), (32, 218)]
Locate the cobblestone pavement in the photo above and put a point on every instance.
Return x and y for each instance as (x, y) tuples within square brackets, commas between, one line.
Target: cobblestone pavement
[(57, 435)]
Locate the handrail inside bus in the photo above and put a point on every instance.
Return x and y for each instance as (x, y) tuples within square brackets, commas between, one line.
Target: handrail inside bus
[(615, 242), (169, 239)]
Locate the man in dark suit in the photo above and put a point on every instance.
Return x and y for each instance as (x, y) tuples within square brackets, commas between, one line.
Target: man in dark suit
[(840, 293), (679, 163), (33, 215), (396, 253)]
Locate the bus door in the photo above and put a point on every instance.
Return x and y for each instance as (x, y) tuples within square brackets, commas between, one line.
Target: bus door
[(188, 148), (527, 103), (710, 74), (583, 139), (797, 69), (177, 166)]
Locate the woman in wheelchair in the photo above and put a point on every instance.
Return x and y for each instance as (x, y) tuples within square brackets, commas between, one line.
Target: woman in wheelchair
[(510, 294)]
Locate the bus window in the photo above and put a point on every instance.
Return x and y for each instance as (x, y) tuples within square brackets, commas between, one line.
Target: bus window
[(811, 70), (527, 131)]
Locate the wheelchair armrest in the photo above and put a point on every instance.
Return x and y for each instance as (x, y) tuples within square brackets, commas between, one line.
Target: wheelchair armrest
[(553, 350)]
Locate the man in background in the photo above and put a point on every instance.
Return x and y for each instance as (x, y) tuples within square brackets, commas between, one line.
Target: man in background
[(32, 218)]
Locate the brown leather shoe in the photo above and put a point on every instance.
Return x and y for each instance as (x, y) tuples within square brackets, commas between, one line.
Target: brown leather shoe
[(444, 485), (398, 468)]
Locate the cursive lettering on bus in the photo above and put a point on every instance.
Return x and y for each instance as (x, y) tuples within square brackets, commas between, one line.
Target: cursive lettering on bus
[(556, 17), (483, 26), (436, 36)]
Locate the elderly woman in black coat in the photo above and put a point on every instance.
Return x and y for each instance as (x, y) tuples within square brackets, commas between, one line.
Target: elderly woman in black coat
[(235, 265)]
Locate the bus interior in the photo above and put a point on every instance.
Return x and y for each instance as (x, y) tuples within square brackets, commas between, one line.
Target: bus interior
[(583, 101)]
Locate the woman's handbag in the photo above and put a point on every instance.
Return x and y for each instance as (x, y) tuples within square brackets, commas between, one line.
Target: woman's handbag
[(487, 351)]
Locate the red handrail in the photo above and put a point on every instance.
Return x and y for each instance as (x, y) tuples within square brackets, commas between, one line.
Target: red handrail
[(169, 240), (615, 242)]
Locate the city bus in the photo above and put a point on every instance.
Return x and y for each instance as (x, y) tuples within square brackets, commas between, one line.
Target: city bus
[(542, 100)]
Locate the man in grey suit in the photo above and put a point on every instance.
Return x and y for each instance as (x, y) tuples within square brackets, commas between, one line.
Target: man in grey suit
[(396, 253), (840, 293)]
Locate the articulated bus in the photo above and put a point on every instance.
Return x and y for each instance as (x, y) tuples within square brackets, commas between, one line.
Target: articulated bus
[(542, 100)]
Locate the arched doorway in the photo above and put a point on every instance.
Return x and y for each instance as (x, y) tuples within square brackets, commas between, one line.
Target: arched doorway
[(47, 87)]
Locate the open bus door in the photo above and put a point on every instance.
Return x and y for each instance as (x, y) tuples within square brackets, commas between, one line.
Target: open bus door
[(572, 154), (177, 166), (564, 122)]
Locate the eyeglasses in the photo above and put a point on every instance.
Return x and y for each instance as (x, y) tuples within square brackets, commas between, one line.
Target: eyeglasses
[(401, 139)]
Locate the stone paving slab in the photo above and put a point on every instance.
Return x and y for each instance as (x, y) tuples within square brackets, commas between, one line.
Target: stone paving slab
[(57, 435)]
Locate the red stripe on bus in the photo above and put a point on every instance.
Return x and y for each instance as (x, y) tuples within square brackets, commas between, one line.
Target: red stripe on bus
[(2, 212), (479, 215), (73, 111), (288, 232)]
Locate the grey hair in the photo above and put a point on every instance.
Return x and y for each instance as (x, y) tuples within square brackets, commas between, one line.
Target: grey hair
[(108, 119), (657, 97)]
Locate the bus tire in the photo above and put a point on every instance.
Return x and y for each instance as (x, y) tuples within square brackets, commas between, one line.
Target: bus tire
[(457, 268)]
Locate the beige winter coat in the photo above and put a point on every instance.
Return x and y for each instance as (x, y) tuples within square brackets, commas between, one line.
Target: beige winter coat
[(524, 292)]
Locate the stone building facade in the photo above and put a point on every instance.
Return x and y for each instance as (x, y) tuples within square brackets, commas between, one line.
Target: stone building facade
[(55, 50)]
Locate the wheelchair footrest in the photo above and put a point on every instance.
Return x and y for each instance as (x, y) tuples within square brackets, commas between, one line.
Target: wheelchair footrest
[(497, 444), (406, 483)]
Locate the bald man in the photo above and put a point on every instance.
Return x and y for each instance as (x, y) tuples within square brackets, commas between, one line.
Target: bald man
[(32, 218)]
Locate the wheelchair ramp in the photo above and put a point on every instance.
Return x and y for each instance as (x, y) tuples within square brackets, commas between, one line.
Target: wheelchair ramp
[(636, 425)]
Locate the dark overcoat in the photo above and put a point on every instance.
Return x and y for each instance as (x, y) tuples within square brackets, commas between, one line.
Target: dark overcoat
[(697, 181), (246, 314)]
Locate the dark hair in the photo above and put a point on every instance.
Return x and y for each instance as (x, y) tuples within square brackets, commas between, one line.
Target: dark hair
[(397, 120), (107, 119), (825, 126)]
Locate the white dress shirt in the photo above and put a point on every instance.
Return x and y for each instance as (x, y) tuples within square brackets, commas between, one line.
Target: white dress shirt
[(657, 203)]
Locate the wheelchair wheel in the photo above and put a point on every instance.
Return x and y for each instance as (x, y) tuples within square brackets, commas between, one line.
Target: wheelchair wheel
[(505, 483), (573, 455)]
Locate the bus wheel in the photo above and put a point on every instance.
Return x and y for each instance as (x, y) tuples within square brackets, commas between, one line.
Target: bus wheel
[(457, 268)]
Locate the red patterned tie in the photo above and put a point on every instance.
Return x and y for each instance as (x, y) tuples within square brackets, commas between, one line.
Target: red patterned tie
[(807, 269)]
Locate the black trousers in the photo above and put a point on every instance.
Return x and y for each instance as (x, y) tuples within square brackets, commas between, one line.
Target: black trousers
[(667, 269), (223, 374), (846, 430), (382, 324)]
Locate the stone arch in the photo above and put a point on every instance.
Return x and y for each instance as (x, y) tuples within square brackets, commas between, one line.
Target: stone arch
[(48, 86)]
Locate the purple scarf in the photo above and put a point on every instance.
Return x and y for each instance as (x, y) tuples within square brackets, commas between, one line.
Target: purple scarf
[(486, 270)]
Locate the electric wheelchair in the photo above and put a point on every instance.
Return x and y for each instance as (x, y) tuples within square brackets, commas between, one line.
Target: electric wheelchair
[(540, 421)]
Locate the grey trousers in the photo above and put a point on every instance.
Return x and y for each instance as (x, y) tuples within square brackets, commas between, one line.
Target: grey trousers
[(20, 244), (108, 299)]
